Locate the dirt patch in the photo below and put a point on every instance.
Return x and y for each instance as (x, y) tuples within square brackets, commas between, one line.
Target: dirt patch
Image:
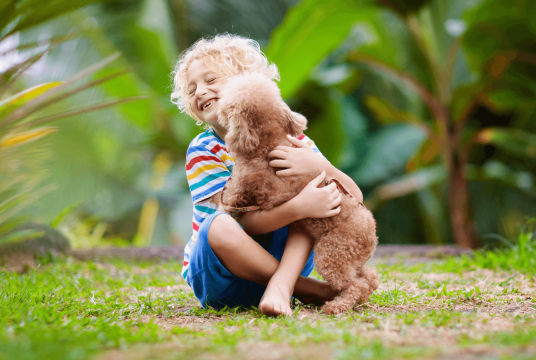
[(479, 352), (431, 312), (246, 351)]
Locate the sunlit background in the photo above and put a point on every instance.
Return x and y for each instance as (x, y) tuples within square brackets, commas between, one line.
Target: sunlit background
[(428, 105)]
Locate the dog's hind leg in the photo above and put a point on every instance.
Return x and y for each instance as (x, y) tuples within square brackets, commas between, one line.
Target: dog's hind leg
[(355, 290), (331, 262), (338, 268), (370, 275)]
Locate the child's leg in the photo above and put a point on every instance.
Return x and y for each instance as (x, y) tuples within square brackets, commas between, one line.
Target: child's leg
[(245, 258), (276, 298)]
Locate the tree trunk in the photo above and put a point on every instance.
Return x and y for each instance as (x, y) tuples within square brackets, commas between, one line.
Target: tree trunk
[(463, 227)]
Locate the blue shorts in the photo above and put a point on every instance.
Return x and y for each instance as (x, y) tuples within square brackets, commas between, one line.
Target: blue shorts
[(215, 286)]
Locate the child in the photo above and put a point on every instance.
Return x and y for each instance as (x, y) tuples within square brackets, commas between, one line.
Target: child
[(223, 264)]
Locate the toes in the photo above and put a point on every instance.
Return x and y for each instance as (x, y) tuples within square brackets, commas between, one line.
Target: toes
[(288, 311), (274, 308)]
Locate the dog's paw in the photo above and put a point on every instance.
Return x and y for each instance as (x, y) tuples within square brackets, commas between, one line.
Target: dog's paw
[(371, 275), (333, 308)]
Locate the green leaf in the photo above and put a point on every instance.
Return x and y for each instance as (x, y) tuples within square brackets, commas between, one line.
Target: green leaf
[(409, 183), (14, 205), (516, 141), (355, 130), (30, 13), (35, 103), (326, 133), (18, 138), (497, 172), (84, 109), (31, 45), (433, 216), (69, 209), (427, 152), (464, 98), (139, 112), (403, 7), (8, 76), (391, 72), (388, 151), (156, 54), (74, 91), (8, 226), (11, 103), (385, 114), (308, 33), (17, 236), (8, 12)]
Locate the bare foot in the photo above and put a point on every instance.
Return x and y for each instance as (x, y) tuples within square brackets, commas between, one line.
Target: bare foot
[(276, 299)]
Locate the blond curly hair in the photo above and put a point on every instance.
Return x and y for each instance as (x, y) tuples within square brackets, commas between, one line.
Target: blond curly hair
[(225, 54)]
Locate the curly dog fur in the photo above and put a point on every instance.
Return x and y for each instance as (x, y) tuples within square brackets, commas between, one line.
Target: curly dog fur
[(257, 120)]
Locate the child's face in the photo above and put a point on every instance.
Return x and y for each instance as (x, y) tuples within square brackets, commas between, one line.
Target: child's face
[(203, 89)]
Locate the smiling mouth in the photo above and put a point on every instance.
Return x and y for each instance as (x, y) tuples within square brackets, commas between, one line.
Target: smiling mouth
[(209, 104)]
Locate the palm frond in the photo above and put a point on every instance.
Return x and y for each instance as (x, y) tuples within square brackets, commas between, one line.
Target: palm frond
[(34, 104)]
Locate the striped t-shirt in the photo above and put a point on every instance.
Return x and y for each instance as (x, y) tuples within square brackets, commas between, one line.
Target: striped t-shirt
[(208, 167)]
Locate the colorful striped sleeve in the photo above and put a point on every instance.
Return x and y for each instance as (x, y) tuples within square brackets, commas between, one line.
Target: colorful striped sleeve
[(206, 171), (310, 142)]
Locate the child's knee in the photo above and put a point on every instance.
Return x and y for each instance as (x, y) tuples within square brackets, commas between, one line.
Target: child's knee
[(224, 232)]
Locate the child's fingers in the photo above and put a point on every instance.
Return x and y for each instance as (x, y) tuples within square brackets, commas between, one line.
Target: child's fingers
[(331, 188), (284, 172), (279, 163), (334, 194), (333, 212), (317, 180), (336, 202), (297, 142), (277, 153)]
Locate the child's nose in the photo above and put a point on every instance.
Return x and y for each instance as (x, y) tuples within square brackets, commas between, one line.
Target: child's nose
[(199, 93)]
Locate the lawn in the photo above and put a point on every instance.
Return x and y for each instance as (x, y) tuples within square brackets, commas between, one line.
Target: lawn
[(465, 308)]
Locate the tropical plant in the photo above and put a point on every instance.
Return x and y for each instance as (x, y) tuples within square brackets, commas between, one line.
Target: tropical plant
[(120, 151), (24, 112), (444, 67)]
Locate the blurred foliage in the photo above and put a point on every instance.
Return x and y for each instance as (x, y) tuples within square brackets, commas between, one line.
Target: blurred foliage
[(22, 165), (514, 254), (450, 87), (419, 101), (107, 162)]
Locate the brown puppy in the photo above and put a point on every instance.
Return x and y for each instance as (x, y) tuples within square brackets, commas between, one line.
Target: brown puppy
[(258, 120)]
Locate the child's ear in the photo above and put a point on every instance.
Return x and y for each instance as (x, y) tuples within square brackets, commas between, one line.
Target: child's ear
[(241, 138), (296, 123)]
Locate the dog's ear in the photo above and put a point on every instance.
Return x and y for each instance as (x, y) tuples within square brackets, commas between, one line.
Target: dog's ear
[(223, 118), (295, 123), (241, 136)]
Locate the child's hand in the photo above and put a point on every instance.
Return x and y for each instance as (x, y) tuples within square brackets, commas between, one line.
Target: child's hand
[(297, 161), (313, 202)]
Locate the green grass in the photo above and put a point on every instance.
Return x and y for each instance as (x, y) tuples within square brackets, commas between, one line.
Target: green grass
[(518, 255), (72, 310), (480, 306)]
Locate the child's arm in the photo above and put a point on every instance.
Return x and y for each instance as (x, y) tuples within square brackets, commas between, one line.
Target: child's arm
[(303, 160), (311, 202)]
